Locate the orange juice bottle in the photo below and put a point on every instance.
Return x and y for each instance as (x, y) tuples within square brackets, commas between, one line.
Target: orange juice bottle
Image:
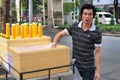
[(13, 31), (30, 30), (22, 30), (40, 33), (17, 29), (7, 29), (34, 27), (25, 30)]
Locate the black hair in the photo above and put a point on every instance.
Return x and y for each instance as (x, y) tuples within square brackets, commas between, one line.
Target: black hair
[(88, 6)]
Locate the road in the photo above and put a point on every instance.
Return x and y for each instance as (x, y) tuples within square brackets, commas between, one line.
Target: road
[(110, 58), (110, 64)]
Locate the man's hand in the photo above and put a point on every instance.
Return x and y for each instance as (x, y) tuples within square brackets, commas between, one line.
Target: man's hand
[(53, 45), (97, 75)]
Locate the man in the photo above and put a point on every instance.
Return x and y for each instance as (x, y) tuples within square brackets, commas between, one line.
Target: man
[(86, 38)]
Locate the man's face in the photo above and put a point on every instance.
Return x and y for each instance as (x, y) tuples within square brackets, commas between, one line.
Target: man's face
[(87, 16)]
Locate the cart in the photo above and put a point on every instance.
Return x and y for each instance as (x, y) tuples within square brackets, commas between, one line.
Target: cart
[(16, 54), (48, 77)]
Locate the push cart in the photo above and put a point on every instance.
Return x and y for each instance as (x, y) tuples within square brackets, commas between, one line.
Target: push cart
[(48, 77)]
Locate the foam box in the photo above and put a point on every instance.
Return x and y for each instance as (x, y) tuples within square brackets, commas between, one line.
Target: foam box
[(25, 41), (30, 58), (5, 43)]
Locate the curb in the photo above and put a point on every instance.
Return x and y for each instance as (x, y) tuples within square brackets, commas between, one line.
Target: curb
[(110, 34)]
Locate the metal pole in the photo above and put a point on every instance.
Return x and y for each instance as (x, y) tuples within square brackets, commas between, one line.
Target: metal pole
[(20, 12), (21, 76), (6, 75), (30, 11), (43, 13)]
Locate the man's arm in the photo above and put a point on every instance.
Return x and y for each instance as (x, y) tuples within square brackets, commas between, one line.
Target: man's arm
[(98, 58), (97, 62), (58, 36)]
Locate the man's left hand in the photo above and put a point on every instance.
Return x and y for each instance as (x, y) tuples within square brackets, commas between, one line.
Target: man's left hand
[(97, 75)]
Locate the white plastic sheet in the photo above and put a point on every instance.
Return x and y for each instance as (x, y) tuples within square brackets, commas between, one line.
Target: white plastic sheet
[(76, 75)]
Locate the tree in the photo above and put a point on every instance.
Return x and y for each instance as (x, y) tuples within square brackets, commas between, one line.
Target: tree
[(5, 14), (50, 20), (77, 2), (115, 2), (36, 6)]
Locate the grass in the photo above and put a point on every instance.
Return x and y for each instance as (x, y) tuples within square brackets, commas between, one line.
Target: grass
[(109, 28), (103, 27)]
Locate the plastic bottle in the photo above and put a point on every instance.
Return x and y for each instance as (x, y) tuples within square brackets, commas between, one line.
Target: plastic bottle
[(7, 29)]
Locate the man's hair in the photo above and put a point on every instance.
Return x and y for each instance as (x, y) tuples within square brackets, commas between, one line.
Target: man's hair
[(88, 6)]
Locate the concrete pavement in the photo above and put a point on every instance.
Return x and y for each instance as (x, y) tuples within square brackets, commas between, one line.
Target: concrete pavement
[(110, 71)]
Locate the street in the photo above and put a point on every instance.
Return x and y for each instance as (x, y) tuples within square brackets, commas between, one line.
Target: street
[(110, 58), (110, 64)]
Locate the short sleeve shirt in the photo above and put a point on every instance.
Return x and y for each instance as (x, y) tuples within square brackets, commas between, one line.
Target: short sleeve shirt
[(84, 43)]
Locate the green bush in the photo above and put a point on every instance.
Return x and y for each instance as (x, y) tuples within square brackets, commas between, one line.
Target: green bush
[(96, 20), (63, 26), (109, 28), (112, 22), (103, 27)]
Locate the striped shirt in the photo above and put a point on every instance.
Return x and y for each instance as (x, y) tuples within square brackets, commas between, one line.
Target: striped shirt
[(84, 43)]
